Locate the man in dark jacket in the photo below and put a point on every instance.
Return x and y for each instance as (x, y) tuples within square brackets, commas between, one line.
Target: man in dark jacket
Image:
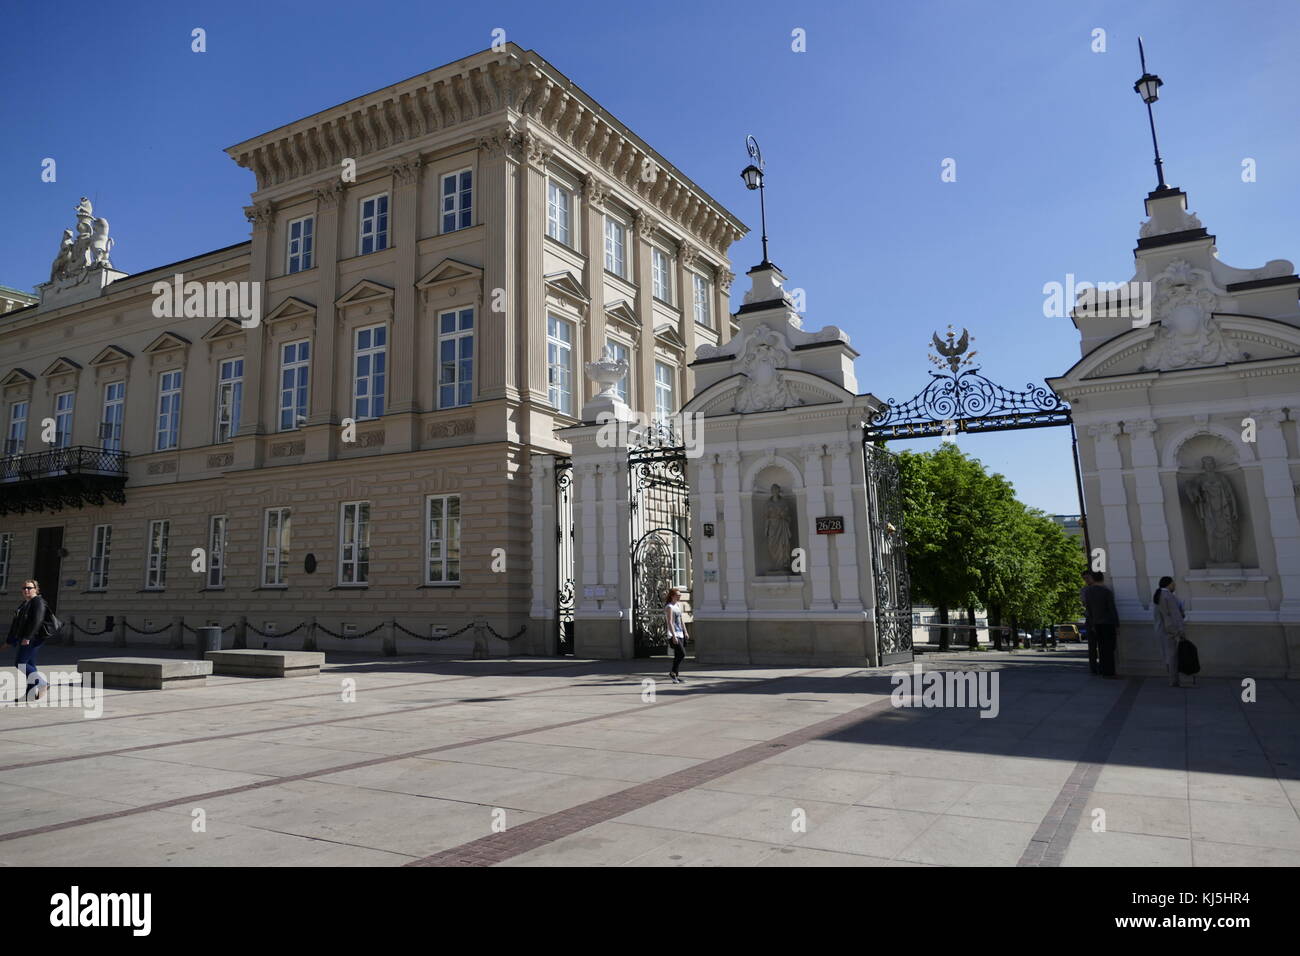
[(1103, 621), (27, 630)]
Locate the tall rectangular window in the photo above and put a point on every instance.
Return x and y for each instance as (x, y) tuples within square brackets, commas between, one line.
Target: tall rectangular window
[(665, 403), (369, 367), (559, 363), (620, 353), (155, 573), (6, 546), (100, 547), (455, 358), (169, 410), (354, 543), (681, 574), (442, 539), (557, 213), (230, 396), (295, 372), (661, 281), (615, 247), (275, 547), (63, 403), (110, 426), (374, 225), (301, 243), (216, 551), (702, 296), (457, 200), (17, 439)]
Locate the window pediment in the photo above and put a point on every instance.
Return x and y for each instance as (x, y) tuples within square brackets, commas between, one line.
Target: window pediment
[(365, 292), (223, 329), (61, 366), (167, 342), (17, 376), (111, 355), (668, 335)]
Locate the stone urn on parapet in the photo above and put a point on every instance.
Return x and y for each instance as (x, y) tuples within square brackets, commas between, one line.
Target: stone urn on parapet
[(606, 371)]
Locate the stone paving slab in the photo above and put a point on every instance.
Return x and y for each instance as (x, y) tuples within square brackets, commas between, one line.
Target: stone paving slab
[(746, 766)]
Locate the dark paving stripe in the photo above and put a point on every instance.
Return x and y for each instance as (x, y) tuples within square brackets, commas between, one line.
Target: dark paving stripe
[(536, 833), (275, 700), (740, 686), (1048, 844)]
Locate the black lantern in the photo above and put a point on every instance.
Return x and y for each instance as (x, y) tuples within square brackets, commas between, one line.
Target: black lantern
[(1147, 87), (753, 177)]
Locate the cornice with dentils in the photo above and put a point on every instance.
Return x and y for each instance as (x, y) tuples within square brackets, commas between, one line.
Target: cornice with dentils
[(515, 80)]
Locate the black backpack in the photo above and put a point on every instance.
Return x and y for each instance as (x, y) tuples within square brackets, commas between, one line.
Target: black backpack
[(51, 626), (1189, 662)]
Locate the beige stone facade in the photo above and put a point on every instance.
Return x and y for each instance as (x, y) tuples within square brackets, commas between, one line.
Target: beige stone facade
[(491, 191)]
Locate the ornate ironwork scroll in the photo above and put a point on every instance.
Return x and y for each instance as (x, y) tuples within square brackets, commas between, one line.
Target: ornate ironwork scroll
[(566, 596), (890, 577), (60, 478), (659, 503)]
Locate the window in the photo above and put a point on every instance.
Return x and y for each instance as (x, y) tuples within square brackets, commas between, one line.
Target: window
[(63, 403), (275, 550), (442, 539), (99, 551), (681, 577), (661, 282), (17, 429), (559, 363), (664, 403), (374, 225), (368, 379), (457, 200), (300, 243), (216, 551), (295, 368), (169, 410), (230, 394), (110, 428), (6, 544), (615, 247), (455, 358), (155, 575), (620, 353), (354, 543), (703, 312), (557, 213)]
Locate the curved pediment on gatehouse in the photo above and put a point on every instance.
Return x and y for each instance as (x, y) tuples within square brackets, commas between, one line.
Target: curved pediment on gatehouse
[(740, 394)]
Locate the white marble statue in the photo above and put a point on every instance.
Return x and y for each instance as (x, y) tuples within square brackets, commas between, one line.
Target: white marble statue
[(1215, 504), (776, 528)]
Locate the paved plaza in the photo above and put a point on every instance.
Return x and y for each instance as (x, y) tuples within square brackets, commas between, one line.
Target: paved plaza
[(528, 762)]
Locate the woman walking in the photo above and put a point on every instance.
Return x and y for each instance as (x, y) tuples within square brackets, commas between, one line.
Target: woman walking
[(676, 632), (1167, 614), (27, 630)]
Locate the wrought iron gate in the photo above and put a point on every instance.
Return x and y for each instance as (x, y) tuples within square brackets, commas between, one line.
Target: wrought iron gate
[(658, 496), (891, 582), (565, 598)]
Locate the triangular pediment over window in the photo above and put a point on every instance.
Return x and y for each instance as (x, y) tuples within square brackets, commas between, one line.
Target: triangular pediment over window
[(19, 376), (365, 291), (450, 270), (291, 308), (61, 366), (111, 354), (166, 343), (668, 335), (223, 328), (622, 310), (566, 286)]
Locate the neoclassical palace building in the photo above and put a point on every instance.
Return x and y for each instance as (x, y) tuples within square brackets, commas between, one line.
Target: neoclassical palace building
[(343, 417)]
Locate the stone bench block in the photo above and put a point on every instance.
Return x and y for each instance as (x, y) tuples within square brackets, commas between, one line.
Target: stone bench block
[(266, 663), (152, 673)]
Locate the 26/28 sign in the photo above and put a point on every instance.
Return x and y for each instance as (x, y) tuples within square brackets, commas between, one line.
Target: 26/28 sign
[(832, 524)]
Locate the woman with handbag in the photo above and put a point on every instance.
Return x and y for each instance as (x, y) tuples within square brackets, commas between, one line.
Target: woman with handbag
[(676, 632), (27, 630), (1167, 614)]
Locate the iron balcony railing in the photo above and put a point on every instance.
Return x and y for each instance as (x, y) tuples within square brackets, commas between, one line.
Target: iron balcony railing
[(75, 460)]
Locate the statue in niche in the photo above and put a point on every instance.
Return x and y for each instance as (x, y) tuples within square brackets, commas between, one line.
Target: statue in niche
[(776, 528), (1215, 504)]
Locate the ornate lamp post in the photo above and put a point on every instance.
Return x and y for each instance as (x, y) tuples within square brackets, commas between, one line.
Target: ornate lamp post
[(1147, 87), (753, 177)]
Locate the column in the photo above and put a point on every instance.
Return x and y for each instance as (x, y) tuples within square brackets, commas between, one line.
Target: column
[(530, 290), (1114, 534), (734, 532), (501, 208), (543, 481), (407, 354), (593, 339), (819, 551), (707, 594), (324, 409), (644, 227), (848, 554), (1154, 528), (586, 544), (1279, 493), (262, 217)]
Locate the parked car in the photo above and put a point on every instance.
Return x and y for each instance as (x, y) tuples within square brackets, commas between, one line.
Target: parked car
[(1067, 632)]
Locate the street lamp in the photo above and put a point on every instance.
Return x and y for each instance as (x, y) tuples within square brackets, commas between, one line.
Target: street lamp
[(1147, 87), (753, 177)]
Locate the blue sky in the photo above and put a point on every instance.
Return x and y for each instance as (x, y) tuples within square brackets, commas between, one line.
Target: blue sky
[(1051, 146)]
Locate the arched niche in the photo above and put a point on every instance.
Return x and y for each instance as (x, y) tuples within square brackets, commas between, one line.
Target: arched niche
[(1214, 504), (775, 510)]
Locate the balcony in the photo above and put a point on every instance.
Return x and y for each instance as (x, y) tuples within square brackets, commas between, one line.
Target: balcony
[(61, 478)]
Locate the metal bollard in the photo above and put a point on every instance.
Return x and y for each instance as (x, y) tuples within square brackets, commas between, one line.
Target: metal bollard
[(206, 639)]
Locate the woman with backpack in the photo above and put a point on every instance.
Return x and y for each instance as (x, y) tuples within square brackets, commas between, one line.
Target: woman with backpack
[(28, 631), (1167, 614)]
